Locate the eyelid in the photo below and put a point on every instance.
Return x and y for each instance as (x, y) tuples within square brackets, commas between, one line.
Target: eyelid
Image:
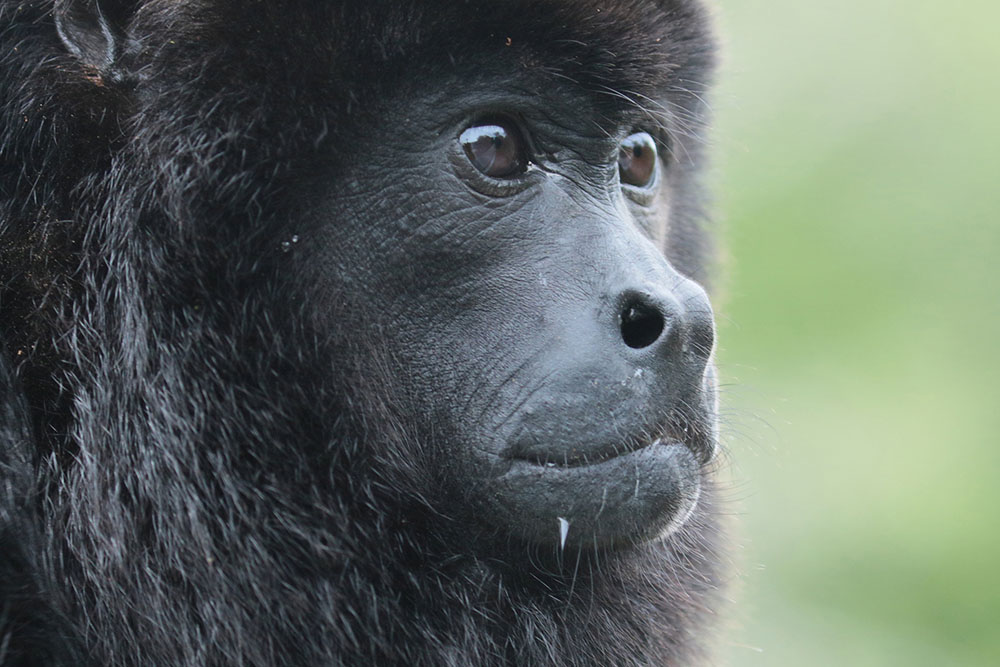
[(645, 195)]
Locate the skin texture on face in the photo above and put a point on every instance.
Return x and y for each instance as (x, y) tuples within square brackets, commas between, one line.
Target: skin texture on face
[(534, 314)]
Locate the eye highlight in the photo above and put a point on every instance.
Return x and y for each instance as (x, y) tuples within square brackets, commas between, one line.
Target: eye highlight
[(637, 160), (496, 148)]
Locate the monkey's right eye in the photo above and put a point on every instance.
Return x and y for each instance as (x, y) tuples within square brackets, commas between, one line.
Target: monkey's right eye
[(496, 148), (637, 160)]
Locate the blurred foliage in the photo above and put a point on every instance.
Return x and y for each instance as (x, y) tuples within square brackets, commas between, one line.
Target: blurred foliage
[(858, 153)]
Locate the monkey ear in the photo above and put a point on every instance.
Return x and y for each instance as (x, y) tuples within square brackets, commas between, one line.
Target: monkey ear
[(93, 30)]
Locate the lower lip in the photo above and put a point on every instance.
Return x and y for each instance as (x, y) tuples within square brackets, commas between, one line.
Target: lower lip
[(634, 496)]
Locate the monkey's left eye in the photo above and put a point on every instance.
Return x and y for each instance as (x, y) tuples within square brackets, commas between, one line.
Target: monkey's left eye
[(637, 160), (496, 148)]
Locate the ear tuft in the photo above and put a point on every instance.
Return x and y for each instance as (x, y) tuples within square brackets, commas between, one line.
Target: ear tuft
[(90, 32)]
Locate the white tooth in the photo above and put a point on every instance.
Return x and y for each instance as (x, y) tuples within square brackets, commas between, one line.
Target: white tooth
[(563, 531)]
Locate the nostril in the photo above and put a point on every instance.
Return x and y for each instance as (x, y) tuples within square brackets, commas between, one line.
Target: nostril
[(641, 324)]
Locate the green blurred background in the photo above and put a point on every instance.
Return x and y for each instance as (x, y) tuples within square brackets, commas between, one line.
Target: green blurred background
[(858, 154)]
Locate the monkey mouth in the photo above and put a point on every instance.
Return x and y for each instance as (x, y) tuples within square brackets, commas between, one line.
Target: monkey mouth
[(592, 493), (578, 457), (612, 497), (588, 454)]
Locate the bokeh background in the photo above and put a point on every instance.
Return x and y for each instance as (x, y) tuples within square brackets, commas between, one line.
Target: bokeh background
[(858, 159)]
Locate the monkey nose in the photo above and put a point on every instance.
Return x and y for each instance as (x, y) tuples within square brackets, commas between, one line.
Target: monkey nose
[(667, 325)]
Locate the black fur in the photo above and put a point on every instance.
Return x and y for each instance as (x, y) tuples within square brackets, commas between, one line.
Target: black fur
[(179, 483)]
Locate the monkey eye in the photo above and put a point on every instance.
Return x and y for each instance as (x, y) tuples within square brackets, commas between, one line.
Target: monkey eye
[(496, 148), (637, 160)]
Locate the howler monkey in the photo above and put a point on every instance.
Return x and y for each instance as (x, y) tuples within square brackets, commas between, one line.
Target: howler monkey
[(354, 333)]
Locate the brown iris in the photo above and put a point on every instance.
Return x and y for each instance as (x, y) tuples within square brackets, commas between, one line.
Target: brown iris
[(495, 148), (637, 160)]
